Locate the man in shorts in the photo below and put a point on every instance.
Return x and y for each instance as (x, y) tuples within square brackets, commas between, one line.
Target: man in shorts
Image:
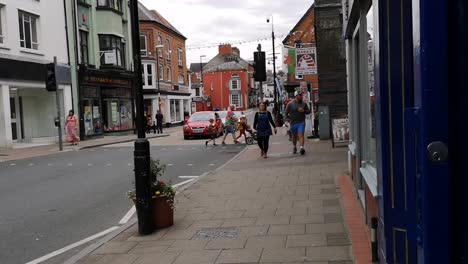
[(231, 120), (295, 113)]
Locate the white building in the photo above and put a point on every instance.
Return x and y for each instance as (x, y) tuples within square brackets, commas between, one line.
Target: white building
[(31, 34)]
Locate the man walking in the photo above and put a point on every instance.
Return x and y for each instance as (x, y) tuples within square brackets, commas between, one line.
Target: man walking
[(295, 113), (159, 121)]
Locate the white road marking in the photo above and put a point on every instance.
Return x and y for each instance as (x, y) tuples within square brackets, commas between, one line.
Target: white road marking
[(194, 148), (89, 164), (13, 164), (170, 164), (128, 215), (69, 164), (182, 183), (188, 177), (50, 164), (109, 164), (31, 164), (74, 245), (212, 164), (189, 164)]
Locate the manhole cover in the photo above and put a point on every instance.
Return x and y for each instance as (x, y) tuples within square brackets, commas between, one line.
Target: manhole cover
[(217, 233)]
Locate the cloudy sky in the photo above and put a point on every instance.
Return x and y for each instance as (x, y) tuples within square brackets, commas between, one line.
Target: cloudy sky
[(210, 22)]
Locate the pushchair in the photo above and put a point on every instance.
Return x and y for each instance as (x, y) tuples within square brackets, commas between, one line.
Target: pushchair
[(251, 138)]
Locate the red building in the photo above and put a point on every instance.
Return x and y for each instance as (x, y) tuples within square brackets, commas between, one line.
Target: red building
[(227, 79)]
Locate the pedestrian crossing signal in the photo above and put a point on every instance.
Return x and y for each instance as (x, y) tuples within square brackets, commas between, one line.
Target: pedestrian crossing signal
[(51, 79)]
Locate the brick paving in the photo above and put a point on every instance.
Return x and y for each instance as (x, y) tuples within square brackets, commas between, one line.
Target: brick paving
[(284, 209)]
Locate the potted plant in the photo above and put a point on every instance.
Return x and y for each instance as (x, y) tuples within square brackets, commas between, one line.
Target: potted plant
[(162, 194)]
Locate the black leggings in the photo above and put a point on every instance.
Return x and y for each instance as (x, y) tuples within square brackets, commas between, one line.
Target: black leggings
[(263, 142)]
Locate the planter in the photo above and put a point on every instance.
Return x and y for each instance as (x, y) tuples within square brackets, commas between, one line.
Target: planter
[(163, 213)]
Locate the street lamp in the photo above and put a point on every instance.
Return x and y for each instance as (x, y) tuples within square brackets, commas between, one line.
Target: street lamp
[(202, 83), (158, 47), (276, 108)]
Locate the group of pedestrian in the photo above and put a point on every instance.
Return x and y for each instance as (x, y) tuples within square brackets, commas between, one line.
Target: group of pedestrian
[(157, 126)]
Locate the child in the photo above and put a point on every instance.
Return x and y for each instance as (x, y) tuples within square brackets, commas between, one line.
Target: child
[(242, 127), (213, 132)]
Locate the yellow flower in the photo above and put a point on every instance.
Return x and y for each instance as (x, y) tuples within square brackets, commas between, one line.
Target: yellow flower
[(158, 193)]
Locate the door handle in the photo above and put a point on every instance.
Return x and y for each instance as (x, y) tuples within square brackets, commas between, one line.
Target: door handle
[(437, 151)]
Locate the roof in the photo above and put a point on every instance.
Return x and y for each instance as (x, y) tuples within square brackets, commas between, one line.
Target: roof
[(225, 63), (195, 67), (311, 8), (144, 14)]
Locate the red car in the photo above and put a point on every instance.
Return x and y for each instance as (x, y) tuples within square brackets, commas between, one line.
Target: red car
[(197, 125)]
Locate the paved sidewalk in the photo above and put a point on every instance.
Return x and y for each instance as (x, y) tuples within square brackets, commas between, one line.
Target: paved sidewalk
[(30, 152), (284, 209)]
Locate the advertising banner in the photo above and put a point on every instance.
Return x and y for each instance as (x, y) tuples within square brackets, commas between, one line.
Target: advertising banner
[(306, 61)]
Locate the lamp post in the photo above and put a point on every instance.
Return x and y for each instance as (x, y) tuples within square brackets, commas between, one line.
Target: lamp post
[(144, 202), (157, 47), (202, 83), (276, 108)]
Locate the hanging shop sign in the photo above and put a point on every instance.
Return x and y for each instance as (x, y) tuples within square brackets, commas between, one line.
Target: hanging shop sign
[(306, 61)]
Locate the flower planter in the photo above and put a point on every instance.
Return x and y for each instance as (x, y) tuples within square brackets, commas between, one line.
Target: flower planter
[(163, 212)]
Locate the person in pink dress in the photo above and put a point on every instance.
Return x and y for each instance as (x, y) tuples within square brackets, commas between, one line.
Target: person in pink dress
[(71, 126)]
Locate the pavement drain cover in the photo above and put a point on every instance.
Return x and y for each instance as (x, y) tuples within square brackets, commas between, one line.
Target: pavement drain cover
[(217, 233)]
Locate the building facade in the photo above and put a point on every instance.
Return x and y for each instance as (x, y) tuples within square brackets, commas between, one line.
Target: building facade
[(302, 35), (200, 102), (104, 72), (407, 84), (227, 79), (165, 79), (27, 109)]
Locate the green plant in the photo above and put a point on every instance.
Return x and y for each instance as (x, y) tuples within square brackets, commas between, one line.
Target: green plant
[(158, 188)]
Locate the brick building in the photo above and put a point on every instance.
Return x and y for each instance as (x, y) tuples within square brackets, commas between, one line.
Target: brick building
[(302, 35), (227, 79), (165, 79), (199, 101)]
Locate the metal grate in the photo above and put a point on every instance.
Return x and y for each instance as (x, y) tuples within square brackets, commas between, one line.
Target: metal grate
[(217, 233)]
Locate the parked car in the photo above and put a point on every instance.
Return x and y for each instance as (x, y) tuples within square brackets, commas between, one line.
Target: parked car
[(198, 124)]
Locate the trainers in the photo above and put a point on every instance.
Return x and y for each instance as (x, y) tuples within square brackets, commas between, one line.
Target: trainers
[(206, 143), (214, 144), (302, 151), (294, 150)]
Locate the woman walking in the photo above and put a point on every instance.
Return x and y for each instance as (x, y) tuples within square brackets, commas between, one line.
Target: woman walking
[(72, 128), (262, 122)]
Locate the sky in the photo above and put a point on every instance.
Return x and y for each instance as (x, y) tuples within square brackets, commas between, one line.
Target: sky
[(211, 22)]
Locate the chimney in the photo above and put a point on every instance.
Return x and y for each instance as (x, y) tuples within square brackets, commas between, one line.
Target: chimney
[(236, 51), (225, 49)]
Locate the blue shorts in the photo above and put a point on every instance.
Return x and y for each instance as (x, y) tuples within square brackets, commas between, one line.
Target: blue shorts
[(229, 130), (298, 128)]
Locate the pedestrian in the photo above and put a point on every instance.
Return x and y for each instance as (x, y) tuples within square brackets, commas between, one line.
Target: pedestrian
[(231, 120), (295, 113), (71, 126), (149, 124), (242, 127), (159, 121), (262, 122), (213, 132)]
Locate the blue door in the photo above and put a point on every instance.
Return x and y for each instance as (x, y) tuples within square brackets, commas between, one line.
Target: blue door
[(412, 97)]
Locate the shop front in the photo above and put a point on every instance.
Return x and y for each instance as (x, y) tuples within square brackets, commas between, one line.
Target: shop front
[(106, 102)]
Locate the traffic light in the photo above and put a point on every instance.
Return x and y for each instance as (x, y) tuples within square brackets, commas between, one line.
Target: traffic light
[(51, 79), (259, 66)]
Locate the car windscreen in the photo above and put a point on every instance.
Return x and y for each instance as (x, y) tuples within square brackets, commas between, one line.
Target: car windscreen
[(201, 117), (222, 114)]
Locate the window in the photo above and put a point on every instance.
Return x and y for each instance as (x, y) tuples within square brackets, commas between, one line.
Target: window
[(198, 75), (160, 42), (179, 56), (197, 91), (299, 77), (143, 46), (181, 79), (371, 87), (161, 72), (169, 73), (148, 74), (236, 100), (84, 47), (168, 49), (112, 50), (2, 36), (235, 82), (112, 4), (28, 30)]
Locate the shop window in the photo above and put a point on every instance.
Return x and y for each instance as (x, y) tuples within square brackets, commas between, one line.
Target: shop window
[(112, 51), (84, 47), (143, 46), (28, 24)]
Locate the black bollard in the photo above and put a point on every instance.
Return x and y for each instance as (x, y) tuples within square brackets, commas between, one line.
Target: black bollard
[(144, 201)]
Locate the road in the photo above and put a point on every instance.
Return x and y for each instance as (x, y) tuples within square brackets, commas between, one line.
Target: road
[(53, 201)]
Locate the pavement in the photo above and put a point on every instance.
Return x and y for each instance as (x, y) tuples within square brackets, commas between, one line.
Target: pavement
[(30, 152), (284, 209)]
